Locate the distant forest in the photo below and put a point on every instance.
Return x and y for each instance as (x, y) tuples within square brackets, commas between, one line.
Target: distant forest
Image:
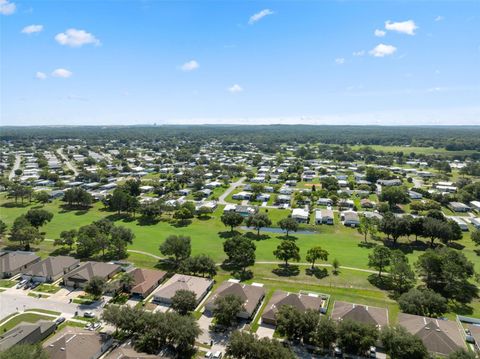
[(451, 138)]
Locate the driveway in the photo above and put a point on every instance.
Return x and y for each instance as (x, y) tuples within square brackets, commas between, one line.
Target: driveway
[(219, 340), (265, 331), (221, 199)]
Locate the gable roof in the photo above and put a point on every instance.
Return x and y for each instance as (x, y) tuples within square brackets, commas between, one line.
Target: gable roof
[(439, 336), (145, 279), (30, 333), (76, 344), (12, 261), (197, 285), (360, 313), (51, 266), (302, 302), (88, 270), (251, 295)]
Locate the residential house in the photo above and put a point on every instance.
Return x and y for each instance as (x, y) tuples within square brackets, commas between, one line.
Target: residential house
[(324, 216), (360, 313), (13, 263), (250, 294), (475, 222), (77, 343), (415, 195), (242, 195), (300, 301), (200, 286), (50, 269), (300, 215), (475, 205), (325, 202), (389, 182), (458, 207), (246, 211), (80, 276), (145, 281), (26, 333), (441, 337), (461, 222), (350, 218)]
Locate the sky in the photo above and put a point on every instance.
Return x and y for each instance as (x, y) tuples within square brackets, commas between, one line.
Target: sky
[(128, 62)]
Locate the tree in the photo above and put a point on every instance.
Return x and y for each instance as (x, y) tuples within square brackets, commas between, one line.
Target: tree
[(77, 197), (258, 221), (95, 287), (3, 228), (325, 334), (401, 274), (200, 264), (67, 238), (120, 237), (287, 250), (423, 302), (448, 272), (475, 236), (231, 219), (240, 251), (38, 217), (118, 201), (356, 337), (24, 351), (126, 281), (184, 301), (368, 226), (42, 197), (400, 344), (394, 195), (394, 226), (183, 214), (22, 231), (434, 228), (288, 224), (226, 309), (243, 345), (335, 265), (379, 258), (461, 354), (290, 322), (87, 240), (178, 247), (316, 253)]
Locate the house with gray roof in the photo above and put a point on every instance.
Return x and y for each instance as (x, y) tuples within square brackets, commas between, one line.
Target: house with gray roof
[(26, 333), (360, 313), (13, 263), (50, 269), (441, 337), (198, 285), (250, 294), (81, 275), (301, 302)]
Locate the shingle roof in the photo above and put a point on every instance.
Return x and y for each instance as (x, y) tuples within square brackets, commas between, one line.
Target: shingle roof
[(360, 313), (26, 333), (179, 281), (51, 266), (88, 270), (439, 336), (302, 302), (76, 344), (12, 261), (249, 294), (145, 279)]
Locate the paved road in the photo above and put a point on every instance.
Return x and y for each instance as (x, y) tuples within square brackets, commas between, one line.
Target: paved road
[(67, 161), (16, 166), (221, 199)]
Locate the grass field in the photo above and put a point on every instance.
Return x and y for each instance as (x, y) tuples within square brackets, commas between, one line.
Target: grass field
[(25, 317), (5, 283)]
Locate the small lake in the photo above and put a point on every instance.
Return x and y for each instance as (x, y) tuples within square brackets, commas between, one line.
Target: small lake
[(279, 230)]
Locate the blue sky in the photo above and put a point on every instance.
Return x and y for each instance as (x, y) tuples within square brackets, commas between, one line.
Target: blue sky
[(337, 62)]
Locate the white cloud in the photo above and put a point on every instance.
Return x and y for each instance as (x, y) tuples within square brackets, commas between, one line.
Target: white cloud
[(382, 50), (405, 27), (439, 18), (359, 53), (340, 61), (235, 88), (62, 73), (76, 38), (31, 29), (190, 65), (7, 8), (259, 15), (379, 33), (41, 75)]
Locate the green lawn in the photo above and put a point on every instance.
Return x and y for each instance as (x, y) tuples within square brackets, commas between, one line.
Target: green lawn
[(25, 317), (46, 311), (47, 288), (5, 283)]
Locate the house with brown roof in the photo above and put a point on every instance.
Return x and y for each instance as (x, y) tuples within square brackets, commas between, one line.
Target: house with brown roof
[(76, 343), (12, 263), (81, 275), (441, 337), (251, 295), (475, 335), (360, 313), (126, 351), (26, 333), (300, 301), (50, 269), (200, 286), (146, 281)]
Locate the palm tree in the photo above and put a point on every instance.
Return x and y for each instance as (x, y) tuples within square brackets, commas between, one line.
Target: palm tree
[(126, 281)]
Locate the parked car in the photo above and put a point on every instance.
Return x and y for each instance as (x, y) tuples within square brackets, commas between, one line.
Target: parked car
[(89, 315), (337, 352), (217, 355), (21, 283), (27, 285), (208, 355), (372, 352), (34, 285), (60, 320)]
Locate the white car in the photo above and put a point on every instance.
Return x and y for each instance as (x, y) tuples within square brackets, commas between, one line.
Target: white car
[(217, 355), (21, 283), (208, 355)]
